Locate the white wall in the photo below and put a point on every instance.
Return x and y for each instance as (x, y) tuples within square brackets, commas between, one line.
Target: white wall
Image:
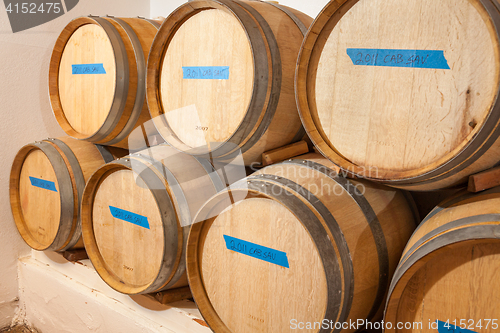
[(26, 116), (163, 8), (310, 7)]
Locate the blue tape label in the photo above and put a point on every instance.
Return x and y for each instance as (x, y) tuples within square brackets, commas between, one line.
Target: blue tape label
[(206, 72), (446, 327), (88, 69), (398, 58), (256, 251), (45, 184), (141, 221)]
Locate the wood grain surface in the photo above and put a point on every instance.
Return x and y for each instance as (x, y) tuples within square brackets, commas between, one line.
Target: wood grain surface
[(86, 99), (403, 121), (253, 109)]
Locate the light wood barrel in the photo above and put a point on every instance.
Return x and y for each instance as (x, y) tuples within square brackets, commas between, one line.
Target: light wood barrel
[(136, 215), (220, 77), (409, 100), (46, 185), (449, 269), (97, 77), (295, 244)]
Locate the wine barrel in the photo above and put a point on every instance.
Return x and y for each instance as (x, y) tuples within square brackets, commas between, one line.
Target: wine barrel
[(408, 100), (220, 78), (46, 184), (97, 77), (294, 244), (451, 266), (136, 214)]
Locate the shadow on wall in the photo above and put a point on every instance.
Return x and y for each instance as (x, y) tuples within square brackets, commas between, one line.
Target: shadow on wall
[(51, 125)]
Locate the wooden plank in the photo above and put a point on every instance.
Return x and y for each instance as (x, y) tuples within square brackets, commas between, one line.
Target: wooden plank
[(75, 255), (283, 153), (173, 295), (484, 180)]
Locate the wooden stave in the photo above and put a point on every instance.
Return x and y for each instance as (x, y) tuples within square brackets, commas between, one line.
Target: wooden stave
[(272, 119), (71, 180), (479, 154), (378, 227), (129, 108), (374, 224), (258, 184), (264, 46), (433, 241), (153, 171)]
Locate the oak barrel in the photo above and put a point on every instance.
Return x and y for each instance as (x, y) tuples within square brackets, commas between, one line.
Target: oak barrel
[(448, 275), (295, 244), (46, 184), (97, 77), (220, 77), (136, 214), (409, 100)]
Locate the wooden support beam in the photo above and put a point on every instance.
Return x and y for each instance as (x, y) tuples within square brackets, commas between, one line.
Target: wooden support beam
[(172, 295), (284, 153), (484, 180), (75, 255)]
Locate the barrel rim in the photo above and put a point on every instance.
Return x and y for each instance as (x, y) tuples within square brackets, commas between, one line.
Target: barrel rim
[(140, 94), (259, 187), (79, 184), (172, 245), (261, 94), (453, 161), (373, 224), (442, 229), (66, 217), (454, 199), (121, 77)]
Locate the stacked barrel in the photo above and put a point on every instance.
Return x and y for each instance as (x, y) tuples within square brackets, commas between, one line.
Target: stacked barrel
[(391, 102), (405, 94)]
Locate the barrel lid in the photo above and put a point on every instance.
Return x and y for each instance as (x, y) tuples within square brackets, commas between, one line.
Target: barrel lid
[(87, 79), (40, 201), (399, 86), (128, 229), (206, 78), (261, 268)]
